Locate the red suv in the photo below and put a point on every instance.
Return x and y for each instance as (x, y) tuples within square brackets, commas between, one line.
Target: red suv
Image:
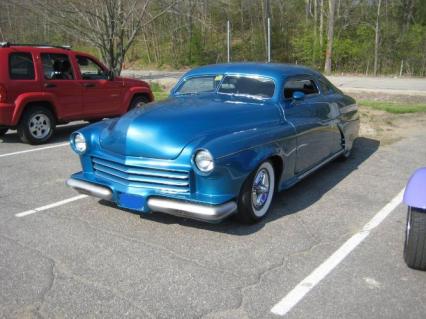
[(42, 86)]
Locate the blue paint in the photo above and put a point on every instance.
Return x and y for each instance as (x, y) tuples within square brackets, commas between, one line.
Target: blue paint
[(130, 201), (160, 139)]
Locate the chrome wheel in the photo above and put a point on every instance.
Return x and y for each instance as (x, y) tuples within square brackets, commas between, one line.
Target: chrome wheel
[(262, 189), (39, 126)]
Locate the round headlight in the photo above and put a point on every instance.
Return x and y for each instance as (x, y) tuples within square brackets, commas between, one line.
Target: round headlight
[(79, 143), (204, 161)]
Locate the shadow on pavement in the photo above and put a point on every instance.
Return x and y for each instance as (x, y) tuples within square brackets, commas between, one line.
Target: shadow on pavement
[(61, 134), (290, 201)]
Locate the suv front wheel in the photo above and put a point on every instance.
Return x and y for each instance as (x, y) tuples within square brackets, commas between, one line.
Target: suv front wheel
[(37, 125)]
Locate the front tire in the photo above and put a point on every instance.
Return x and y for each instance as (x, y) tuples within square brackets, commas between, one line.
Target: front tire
[(415, 239), (256, 194), (138, 101), (36, 126)]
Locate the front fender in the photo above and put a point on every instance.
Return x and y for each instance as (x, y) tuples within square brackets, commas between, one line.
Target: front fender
[(415, 192), (131, 92), (240, 153)]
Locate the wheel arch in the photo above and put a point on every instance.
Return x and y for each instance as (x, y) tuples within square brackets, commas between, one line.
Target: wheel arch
[(139, 94), (28, 100), (45, 104), (132, 92)]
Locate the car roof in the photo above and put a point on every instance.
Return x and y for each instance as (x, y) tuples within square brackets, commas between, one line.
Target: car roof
[(274, 70)]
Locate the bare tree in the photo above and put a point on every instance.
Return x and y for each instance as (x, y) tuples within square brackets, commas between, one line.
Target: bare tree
[(330, 36), (110, 25)]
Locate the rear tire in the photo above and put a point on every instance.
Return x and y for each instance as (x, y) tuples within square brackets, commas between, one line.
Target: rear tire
[(138, 101), (36, 126), (3, 131), (256, 194), (415, 239)]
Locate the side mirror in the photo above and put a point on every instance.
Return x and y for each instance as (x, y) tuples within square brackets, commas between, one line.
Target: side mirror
[(298, 95), (110, 75)]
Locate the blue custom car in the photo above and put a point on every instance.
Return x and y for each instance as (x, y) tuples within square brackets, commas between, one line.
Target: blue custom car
[(228, 138)]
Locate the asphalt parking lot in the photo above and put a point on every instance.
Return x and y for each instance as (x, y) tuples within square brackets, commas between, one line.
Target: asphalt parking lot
[(85, 258)]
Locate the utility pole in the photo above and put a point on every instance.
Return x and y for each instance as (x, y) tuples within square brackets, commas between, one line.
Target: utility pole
[(228, 39), (267, 21), (269, 40)]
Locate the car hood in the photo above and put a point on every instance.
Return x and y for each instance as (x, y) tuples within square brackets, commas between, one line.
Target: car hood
[(161, 130)]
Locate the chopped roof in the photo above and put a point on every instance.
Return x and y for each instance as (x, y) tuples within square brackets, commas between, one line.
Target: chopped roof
[(267, 69)]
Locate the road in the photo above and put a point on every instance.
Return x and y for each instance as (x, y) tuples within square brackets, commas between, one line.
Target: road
[(88, 259), (389, 85)]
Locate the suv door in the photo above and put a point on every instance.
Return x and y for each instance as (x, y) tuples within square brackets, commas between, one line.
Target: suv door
[(59, 80), (101, 97), (312, 119)]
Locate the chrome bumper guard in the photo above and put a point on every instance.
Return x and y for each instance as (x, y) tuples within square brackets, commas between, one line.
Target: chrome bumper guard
[(208, 213)]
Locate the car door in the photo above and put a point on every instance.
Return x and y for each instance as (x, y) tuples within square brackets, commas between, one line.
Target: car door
[(101, 97), (59, 80), (310, 118), (328, 111)]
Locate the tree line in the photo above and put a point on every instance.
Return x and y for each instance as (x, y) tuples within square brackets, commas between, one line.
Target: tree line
[(352, 36)]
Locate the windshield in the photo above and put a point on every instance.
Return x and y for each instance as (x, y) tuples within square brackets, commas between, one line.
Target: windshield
[(252, 86), (248, 86), (200, 84)]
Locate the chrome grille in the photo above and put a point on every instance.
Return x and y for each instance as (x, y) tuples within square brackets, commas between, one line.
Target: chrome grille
[(144, 177)]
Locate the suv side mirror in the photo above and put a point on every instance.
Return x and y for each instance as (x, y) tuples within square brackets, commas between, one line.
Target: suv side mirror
[(110, 75), (298, 95)]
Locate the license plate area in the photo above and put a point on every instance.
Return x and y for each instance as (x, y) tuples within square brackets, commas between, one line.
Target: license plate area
[(133, 202)]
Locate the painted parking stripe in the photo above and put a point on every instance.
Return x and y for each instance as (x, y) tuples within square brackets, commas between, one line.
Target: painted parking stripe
[(46, 207), (299, 292), (34, 149)]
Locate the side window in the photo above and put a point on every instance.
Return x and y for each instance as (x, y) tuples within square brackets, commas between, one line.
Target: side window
[(306, 86), (21, 66), (56, 66), (90, 70), (325, 87)]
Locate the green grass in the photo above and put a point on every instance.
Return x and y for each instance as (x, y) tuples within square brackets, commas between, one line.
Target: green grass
[(393, 107), (158, 91)]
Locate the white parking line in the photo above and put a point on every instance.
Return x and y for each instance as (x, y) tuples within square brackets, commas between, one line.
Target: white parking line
[(39, 209), (34, 149), (298, 292)]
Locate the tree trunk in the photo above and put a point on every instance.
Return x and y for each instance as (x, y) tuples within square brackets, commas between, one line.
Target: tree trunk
[(377, 38), (321, 26), (330, 36), (314, 49)]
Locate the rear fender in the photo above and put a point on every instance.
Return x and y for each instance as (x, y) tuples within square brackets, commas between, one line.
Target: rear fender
[(415, 192), (24, 99)]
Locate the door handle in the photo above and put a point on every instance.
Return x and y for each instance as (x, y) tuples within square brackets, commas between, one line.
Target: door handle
[(89, 85), (49, 85)]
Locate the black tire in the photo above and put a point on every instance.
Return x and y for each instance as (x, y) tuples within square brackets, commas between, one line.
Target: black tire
[(3, 131), (93, 121), (415, 239), (251, 211), (138, 101), (346, 154), (37, 125)]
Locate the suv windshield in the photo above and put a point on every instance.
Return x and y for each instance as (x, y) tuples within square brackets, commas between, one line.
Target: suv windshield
[(257, 87)]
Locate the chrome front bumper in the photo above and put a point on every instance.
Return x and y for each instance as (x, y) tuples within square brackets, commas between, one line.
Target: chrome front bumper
[(203, 212)]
